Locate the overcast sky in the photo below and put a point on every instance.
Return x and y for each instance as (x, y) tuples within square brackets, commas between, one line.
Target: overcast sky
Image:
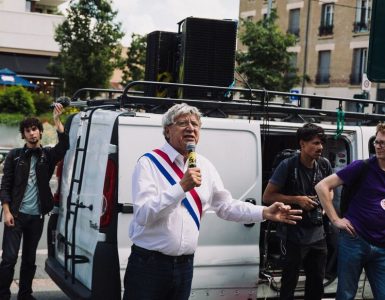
[(145, 16)]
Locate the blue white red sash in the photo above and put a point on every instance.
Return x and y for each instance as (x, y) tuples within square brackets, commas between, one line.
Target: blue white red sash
[(173, 174)]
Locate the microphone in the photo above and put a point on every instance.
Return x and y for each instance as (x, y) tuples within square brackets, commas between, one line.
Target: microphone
[(191, 159), (65, 101)]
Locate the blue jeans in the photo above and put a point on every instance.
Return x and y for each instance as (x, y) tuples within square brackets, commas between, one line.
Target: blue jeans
[(151, 275), (355, 254)]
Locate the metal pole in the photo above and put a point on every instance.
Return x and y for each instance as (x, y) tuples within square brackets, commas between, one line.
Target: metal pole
[(306, 46), (269, 7)]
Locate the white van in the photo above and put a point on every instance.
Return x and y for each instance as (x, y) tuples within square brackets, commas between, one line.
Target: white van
[(88, 233)]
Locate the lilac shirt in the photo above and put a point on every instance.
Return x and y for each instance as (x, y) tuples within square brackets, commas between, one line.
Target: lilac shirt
[(367, 207)]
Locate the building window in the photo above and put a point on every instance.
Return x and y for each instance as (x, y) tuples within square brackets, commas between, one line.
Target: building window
[(359, 65), (264, 16), (326, 27), (362, 21), (294, 21), (293, 64), (323, 75)]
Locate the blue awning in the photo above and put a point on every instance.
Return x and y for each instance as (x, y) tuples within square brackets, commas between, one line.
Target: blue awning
[(8, 77)]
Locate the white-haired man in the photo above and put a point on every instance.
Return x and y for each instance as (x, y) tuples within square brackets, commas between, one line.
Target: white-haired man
[(169, 199)]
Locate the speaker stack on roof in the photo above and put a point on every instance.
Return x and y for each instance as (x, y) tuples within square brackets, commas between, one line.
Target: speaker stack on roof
[(203, 53), (160, 61)]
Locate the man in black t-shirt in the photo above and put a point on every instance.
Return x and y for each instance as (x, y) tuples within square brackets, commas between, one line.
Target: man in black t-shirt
[(293, 183)]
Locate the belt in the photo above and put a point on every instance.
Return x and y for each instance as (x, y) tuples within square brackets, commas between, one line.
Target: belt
[(161, 256)]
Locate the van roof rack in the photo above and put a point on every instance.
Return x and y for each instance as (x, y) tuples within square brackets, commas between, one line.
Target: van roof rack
[(255, 104)]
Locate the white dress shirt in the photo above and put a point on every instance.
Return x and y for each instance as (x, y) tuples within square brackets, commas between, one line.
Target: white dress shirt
[(162, 223)]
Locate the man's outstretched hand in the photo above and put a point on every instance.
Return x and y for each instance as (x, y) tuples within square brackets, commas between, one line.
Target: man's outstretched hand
[(279, 212)]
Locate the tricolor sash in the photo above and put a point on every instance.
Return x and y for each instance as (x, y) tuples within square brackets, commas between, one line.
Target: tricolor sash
[(173, 175)]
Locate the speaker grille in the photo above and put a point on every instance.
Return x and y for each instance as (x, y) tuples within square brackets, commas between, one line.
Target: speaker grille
[(207, 56), (160, 61)]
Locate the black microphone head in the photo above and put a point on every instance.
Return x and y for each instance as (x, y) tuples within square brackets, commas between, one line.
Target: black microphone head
[(190, 147), (65, 101)]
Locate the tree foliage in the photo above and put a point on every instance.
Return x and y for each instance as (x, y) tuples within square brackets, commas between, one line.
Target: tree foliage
[(135, 62), (90, 45), (42, 102), (16, 99), (266, 62)]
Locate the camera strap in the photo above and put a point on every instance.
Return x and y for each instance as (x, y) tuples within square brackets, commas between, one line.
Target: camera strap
[(315, 172)]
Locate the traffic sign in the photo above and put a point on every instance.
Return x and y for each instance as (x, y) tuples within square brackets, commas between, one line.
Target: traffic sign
[(365, 84), (293, 97)]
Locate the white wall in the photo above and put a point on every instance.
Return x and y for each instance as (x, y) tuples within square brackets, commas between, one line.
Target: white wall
[(24, 30), (12, 5)]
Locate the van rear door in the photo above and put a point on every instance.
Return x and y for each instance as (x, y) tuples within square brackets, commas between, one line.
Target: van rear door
[(85, 262)]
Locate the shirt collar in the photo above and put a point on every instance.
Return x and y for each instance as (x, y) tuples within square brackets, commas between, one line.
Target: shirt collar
[(172, 153)]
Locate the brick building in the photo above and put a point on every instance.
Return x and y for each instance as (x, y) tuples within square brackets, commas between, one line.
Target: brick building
[(332, 43)]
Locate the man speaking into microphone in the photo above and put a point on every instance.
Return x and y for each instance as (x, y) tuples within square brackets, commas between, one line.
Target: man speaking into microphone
[(172, 187)]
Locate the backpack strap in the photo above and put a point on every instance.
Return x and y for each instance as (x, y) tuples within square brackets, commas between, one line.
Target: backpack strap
[(292, 173)]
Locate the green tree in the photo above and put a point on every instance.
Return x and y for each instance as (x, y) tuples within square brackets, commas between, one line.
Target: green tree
[(135, 62), (16, 99), (266, 62), (90, 45), (42, 102)]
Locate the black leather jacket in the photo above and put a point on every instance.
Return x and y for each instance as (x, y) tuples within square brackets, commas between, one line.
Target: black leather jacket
[(16, 173)]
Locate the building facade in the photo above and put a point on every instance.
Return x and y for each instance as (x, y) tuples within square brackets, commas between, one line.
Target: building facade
[(332, 43), (27, 42)]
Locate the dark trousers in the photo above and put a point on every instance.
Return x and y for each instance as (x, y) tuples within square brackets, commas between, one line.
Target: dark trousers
[(313, 259), (151, 275), (30, 228)]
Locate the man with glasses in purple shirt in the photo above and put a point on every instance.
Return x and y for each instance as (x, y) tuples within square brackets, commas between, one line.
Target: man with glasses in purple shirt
[(362, 229)]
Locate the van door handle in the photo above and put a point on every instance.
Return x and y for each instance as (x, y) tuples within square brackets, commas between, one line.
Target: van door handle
[(252, 201), (126, 208)]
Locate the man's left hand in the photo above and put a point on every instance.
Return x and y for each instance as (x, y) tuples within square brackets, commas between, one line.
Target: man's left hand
[(57, 111), (280, 212)]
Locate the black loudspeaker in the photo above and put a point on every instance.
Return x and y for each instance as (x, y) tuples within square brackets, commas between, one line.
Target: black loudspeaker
[(160, 62), (206, 56)]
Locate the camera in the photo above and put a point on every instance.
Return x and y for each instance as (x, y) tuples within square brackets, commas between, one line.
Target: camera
[(315, 215)]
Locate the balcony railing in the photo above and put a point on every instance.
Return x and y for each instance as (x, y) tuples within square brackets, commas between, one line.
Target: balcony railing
[(360, 26), (32, 31), (322, 78), (325, 30)]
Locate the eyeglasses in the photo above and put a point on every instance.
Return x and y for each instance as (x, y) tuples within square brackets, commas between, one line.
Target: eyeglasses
[(381, 144), (186, 123)]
